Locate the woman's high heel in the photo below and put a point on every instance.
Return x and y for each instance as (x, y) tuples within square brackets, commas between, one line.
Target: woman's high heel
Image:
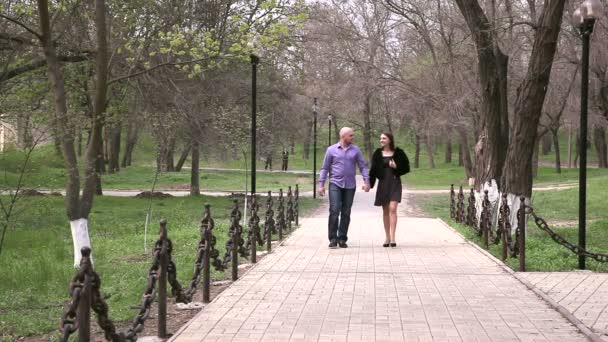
[(386, 244), (393, 244)]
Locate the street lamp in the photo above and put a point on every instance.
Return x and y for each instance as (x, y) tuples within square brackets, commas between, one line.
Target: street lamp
[(584, 19), (329, 118), (315, 110), (255, 60)]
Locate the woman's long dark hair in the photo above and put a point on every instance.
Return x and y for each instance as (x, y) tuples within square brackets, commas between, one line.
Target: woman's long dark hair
[(390, 137)]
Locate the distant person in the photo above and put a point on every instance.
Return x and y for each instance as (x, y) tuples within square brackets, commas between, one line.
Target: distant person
[(285, 160), (340, 163), (389, 163), (268, 162)]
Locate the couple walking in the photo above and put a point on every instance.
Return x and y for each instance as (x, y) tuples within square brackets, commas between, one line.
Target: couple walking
[(389, 163)]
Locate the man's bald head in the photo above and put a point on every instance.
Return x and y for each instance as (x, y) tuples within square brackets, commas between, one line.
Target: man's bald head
[(346, 135)]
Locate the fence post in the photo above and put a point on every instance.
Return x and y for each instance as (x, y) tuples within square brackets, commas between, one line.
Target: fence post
[(253, 234), (162, 281), (521, 223), (281, 215), (504, 222), (452, 204), (235, 242), (289, 207), (207, 226), (485, 220), (460, 207), (84, 306), (268, 222), (297, 205)]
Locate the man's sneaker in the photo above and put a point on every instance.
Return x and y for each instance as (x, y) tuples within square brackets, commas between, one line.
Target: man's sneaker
[(342, 244), (333, 244)]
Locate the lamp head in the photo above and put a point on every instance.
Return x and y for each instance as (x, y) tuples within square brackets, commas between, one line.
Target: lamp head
[(315, 106), (591, 9)]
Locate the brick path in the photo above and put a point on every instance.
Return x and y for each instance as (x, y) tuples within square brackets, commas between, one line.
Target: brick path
[(584, 294), (432, 287)]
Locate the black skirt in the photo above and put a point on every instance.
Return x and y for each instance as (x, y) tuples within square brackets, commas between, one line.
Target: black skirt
[(389, 187)]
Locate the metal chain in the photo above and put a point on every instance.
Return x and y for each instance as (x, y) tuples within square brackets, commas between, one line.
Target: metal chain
[(504, 225), (148, 296), (254, 225), (542, 224), (485, 215), (69, 322), (100, 307), (234, 236)]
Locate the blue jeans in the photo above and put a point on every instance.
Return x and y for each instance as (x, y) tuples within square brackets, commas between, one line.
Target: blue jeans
[(340, 203)]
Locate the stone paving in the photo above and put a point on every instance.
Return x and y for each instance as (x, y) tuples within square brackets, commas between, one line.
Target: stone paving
[(584, 294), (433, 287)]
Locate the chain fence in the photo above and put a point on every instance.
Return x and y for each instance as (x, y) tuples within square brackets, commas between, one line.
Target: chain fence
[(85, 286)]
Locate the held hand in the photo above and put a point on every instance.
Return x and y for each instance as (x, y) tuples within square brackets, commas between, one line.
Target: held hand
[(366, 188), (321, 191), (392, 164)]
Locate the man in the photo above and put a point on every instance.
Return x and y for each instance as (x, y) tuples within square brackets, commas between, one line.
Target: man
[(340, 162)]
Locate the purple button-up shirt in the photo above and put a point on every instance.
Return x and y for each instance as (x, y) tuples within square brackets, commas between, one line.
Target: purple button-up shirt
[(341, 164)]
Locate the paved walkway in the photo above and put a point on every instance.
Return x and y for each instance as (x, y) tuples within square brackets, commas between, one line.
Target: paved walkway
[(433, 287), (584, 294)]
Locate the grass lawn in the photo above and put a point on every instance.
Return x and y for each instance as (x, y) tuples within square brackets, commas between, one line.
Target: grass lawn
[(46, 171), (443, 175), (36, 261), (542, 254)]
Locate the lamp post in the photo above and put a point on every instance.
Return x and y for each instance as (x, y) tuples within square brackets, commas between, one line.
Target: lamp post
[(329, 118), (584, 19), (315, 109), (254, 70)]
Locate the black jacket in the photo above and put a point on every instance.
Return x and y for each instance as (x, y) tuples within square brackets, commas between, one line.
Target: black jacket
[(376, 171)]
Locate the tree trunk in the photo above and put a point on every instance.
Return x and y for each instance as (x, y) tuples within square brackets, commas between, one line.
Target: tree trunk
[(546, 142), (292, 145), (599, 139), (491, 148), (24, 133), (195, 188), (417, 154), (183, 157), (577, 148), (132, 134), (535, 157), (460, 156), (429, 151), (308, 139), (466, 153), (77, 208), (558, 161), (529, 102), (114, 148), (448, 151), (367, 126)]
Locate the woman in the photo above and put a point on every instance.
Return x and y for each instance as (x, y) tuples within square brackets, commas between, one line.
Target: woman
[(389, 163)]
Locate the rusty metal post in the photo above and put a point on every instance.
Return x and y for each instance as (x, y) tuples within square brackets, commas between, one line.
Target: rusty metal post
[(297, 202), (268, 222), (521, 222), (485, 220), (452, 204), (504, 222), (253, 234), (235, 236), (460, 207), (206, 265), (281, 215), (162, 281), (84, 306)]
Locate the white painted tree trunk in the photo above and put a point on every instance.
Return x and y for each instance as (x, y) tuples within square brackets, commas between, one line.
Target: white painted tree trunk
[(80, 237)]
